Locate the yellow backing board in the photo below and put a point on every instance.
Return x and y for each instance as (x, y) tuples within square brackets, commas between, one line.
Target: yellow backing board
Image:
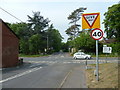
[(91, 20)]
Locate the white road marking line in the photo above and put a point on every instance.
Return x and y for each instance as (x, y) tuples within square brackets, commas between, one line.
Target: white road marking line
[(71, 61), (21, 74), (43, 62), (62, 56), (60, 86), (66, 62)]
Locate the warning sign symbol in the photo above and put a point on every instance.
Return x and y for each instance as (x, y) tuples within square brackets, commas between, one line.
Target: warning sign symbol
[(90, 21)]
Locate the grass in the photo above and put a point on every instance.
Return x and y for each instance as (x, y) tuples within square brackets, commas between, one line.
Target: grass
[(22, 55), (108, 55), (108, 76)]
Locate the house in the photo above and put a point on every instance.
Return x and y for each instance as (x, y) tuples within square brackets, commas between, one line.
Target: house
[(9, 46), (108, 41)]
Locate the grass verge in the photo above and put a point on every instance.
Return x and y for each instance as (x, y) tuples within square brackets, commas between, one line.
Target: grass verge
[(108, 76), (22, 55), (106, 55)]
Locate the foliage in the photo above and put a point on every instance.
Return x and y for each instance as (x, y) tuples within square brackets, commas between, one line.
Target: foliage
[(75, 16), (54, 38), (73, 31), (24, 46), (37, 22), (21, 29), (35, 34), (65, 47), (112, 22), (115, 47), (35, 44), (85, 42), (112, 25)]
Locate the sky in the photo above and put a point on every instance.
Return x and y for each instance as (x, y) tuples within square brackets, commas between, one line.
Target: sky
[(56, 10)]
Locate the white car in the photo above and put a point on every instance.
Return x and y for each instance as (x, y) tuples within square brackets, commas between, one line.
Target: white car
[(81, 55)]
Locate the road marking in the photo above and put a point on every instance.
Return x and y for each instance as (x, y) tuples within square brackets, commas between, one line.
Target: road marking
[(66, 62), (65, 79), (62, 56), (21, 74), (70, 61)]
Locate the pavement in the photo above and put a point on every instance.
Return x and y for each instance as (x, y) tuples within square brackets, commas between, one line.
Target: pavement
[(76, 78)]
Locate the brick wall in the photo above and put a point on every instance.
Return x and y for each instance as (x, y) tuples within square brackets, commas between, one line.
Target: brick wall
[(10, 47)]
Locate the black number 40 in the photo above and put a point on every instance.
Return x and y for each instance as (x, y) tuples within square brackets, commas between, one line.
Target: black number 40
[(97, 34)]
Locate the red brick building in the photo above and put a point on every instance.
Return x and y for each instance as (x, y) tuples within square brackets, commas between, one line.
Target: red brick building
[(9, 46)]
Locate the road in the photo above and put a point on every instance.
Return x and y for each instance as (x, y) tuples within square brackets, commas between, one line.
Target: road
[(45, 72)]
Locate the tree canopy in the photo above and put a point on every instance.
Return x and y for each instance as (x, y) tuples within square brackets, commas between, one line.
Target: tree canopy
[(36, 35), (112, 22), (74, 17), (37, 22)]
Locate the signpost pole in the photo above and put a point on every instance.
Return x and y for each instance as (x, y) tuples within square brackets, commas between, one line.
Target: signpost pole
[(106, 57), (92, 20), (97, 62)]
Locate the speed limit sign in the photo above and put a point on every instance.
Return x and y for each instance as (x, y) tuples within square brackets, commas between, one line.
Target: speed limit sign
[(97, 34)]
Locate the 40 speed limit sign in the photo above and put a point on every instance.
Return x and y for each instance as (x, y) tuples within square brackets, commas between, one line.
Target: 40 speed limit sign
[(97, 34)]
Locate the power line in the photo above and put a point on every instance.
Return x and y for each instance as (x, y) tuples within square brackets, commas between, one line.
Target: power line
[(10, 14)]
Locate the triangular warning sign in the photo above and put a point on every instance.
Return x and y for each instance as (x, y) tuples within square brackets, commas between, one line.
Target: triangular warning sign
[(90, 18)]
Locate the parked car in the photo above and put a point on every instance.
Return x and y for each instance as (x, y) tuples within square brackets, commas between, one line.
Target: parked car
[(81, 55)]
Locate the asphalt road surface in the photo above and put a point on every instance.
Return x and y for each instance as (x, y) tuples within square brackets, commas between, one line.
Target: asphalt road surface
[(44, 72)]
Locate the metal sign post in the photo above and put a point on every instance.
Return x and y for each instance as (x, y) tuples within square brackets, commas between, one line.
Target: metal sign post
[(97, 62), (97, 34), (92, 21)]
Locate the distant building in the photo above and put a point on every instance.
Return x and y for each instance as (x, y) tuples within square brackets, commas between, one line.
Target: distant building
[(108, 41), (9, 46)]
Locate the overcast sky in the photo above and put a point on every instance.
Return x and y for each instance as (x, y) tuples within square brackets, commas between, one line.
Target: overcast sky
[(56, 10)]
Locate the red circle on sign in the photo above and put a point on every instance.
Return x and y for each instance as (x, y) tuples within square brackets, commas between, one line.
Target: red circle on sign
[(95, 34)]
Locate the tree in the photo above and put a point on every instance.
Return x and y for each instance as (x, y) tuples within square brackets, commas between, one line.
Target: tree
[(65, 47), (85, 42), (22, 31), (54, 38), (35, 34), (37, 22), (75, 16), (24, 46), (73, 31), (35, 44), (112, 22)]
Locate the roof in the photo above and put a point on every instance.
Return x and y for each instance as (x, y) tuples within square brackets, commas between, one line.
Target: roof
[(8, 28), (108, 40)]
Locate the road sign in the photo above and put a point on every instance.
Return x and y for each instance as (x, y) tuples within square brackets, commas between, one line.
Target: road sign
[(107, 49), (97, 34), (91, 20)]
